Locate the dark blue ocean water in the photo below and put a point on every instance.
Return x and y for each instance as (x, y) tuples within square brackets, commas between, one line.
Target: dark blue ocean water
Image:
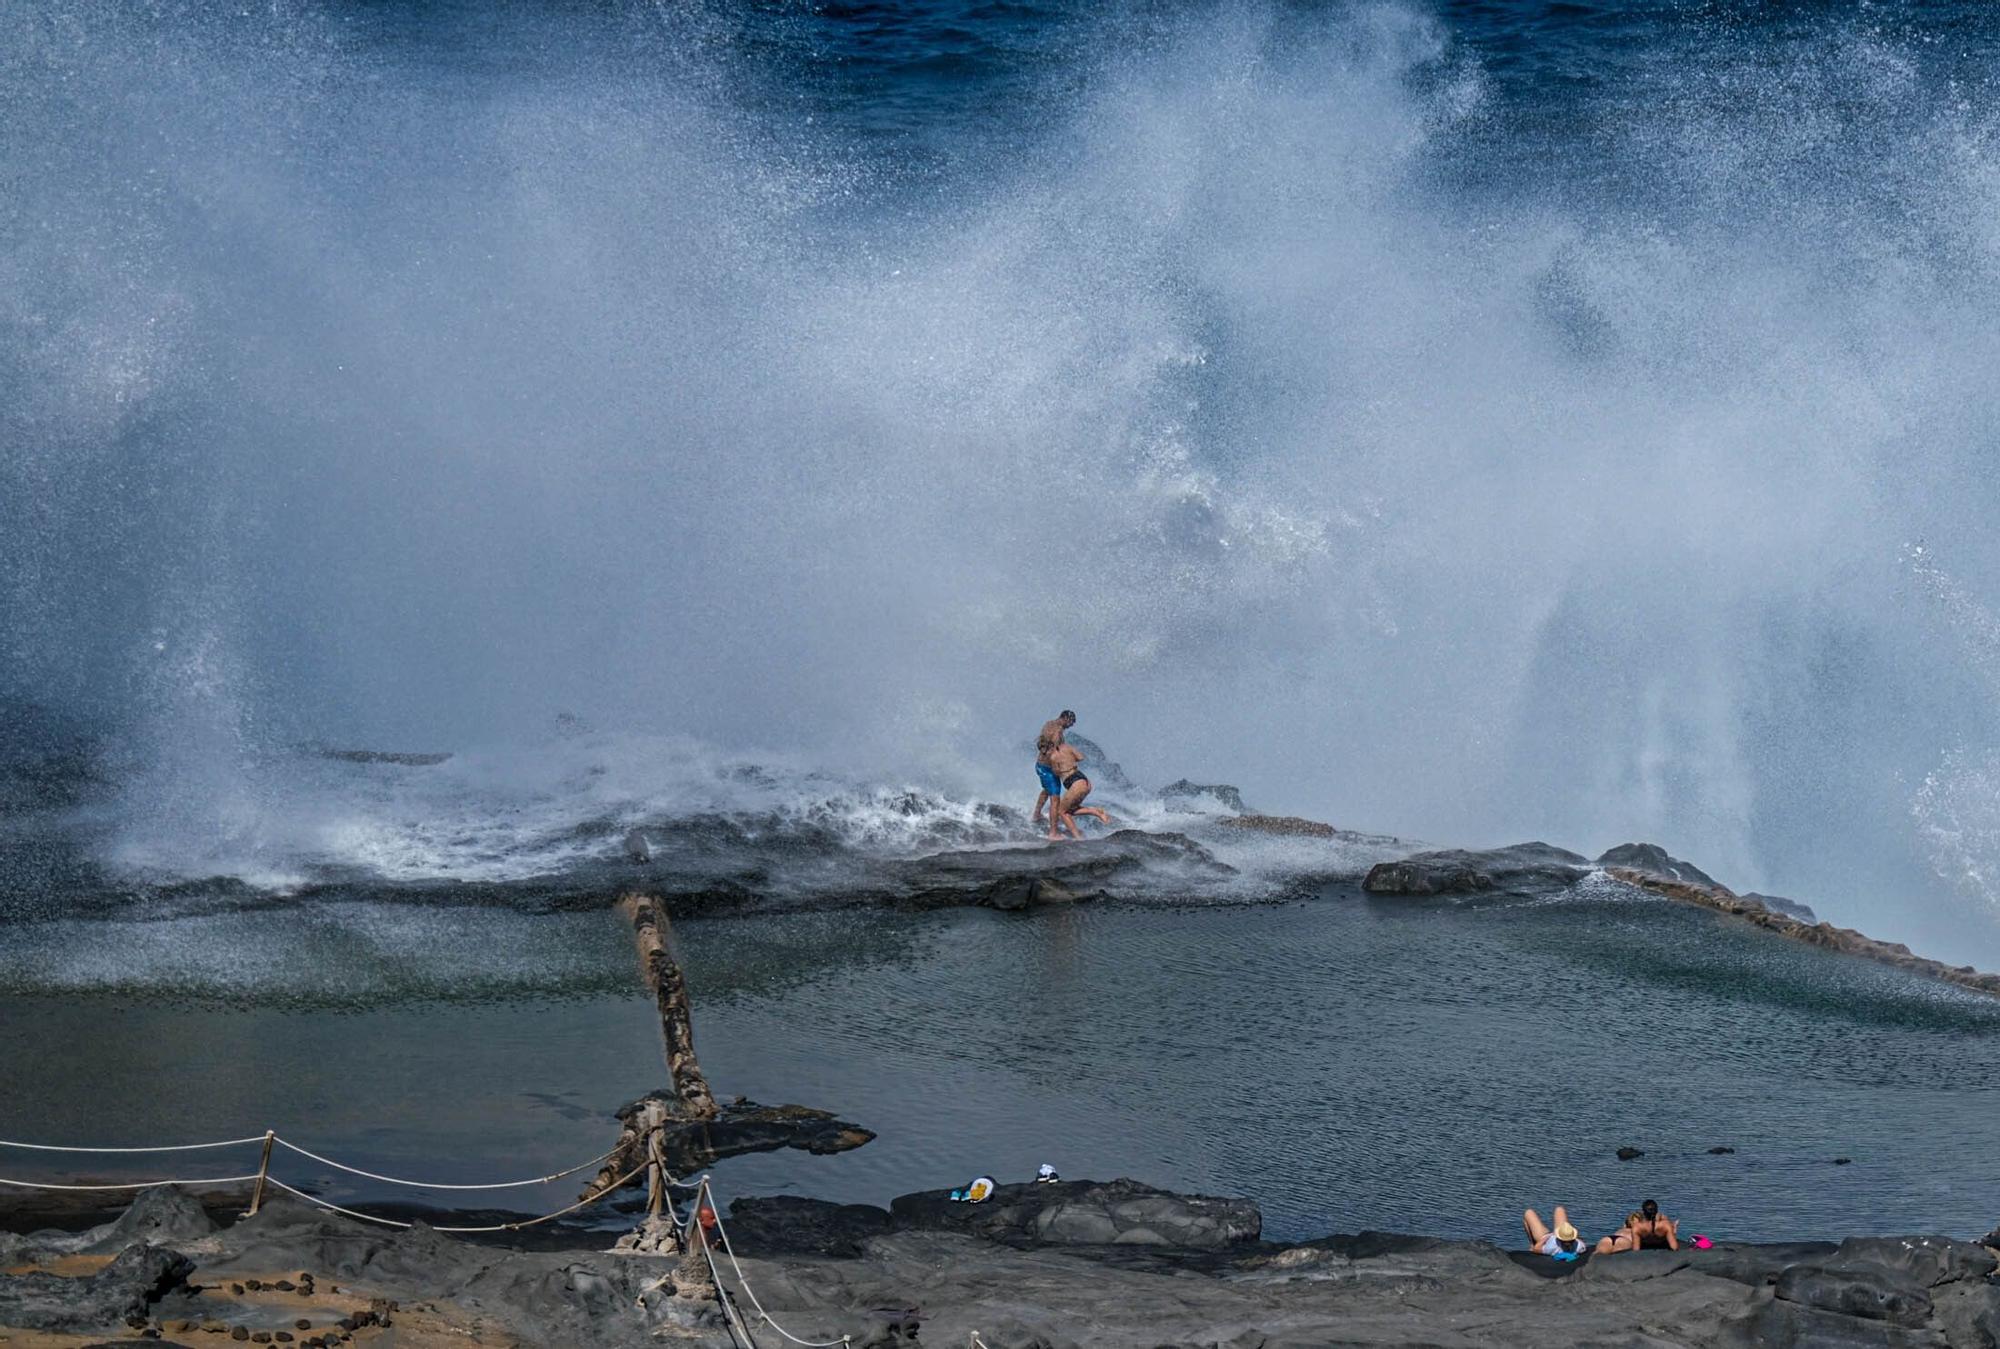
[(939, 82)]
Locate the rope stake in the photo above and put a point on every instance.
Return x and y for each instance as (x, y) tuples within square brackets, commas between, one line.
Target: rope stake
[(263, 1173)]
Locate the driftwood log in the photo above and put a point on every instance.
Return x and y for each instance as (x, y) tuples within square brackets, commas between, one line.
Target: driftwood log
[(680, 1128)]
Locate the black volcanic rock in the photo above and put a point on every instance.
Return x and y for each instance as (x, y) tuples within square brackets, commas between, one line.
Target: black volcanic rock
[(1221, 793), (164, 1215), (1040, 873), (1927, 1261), (1086, 1213), (125, 1288), (1791, 908), (1066, 1266), (1860, 1291), (1523, 868), (790, 1225), (1654, 860)]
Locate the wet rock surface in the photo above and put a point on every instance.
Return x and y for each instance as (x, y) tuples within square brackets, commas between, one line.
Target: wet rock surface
[(1522, 869), (1009, 878)]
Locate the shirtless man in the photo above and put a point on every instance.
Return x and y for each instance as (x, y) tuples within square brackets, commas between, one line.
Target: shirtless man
[(1064, 759), (1045, 744)]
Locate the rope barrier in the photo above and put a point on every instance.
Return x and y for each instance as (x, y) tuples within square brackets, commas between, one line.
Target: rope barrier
[(440, 1185), (690, 1226), (127, 1185), (176, 1147), (285, 1143), (495, 1227), (731, 1313), (744, 1280)]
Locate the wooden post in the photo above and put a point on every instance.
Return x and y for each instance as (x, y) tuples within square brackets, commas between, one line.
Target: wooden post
[(656, 1178), (263, 1170)]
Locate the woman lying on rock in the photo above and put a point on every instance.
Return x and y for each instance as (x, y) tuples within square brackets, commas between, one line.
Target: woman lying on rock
[(1560, 1241), (1654, 1229), (1647, 1229), (1621, 1241)]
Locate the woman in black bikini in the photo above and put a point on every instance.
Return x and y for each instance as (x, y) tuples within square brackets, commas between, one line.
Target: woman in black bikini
[(1656, 1231), (1064, 758)]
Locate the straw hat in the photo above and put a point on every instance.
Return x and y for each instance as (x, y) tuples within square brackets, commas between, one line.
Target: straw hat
[(1564, 1232)]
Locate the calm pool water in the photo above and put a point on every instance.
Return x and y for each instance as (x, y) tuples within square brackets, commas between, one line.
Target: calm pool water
[(1347, 1062)]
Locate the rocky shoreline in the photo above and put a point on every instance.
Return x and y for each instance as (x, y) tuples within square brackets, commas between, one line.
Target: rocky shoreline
[(1534, 868), (1036, 1267)]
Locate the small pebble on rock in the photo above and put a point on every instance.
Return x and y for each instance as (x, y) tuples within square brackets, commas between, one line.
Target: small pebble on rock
[(253, 1285), (302, 1324), (240, 1333), (284, 1285), (236, 1288)]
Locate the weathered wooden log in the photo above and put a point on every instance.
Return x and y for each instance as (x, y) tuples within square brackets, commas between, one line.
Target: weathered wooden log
[(681, 1128), (669, 986)]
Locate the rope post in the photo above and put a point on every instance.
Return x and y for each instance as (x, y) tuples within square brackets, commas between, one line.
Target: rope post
[(263, 1173), (656, 1176)]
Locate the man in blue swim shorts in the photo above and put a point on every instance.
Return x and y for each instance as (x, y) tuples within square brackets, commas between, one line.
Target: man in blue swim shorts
[(1045, 743)]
